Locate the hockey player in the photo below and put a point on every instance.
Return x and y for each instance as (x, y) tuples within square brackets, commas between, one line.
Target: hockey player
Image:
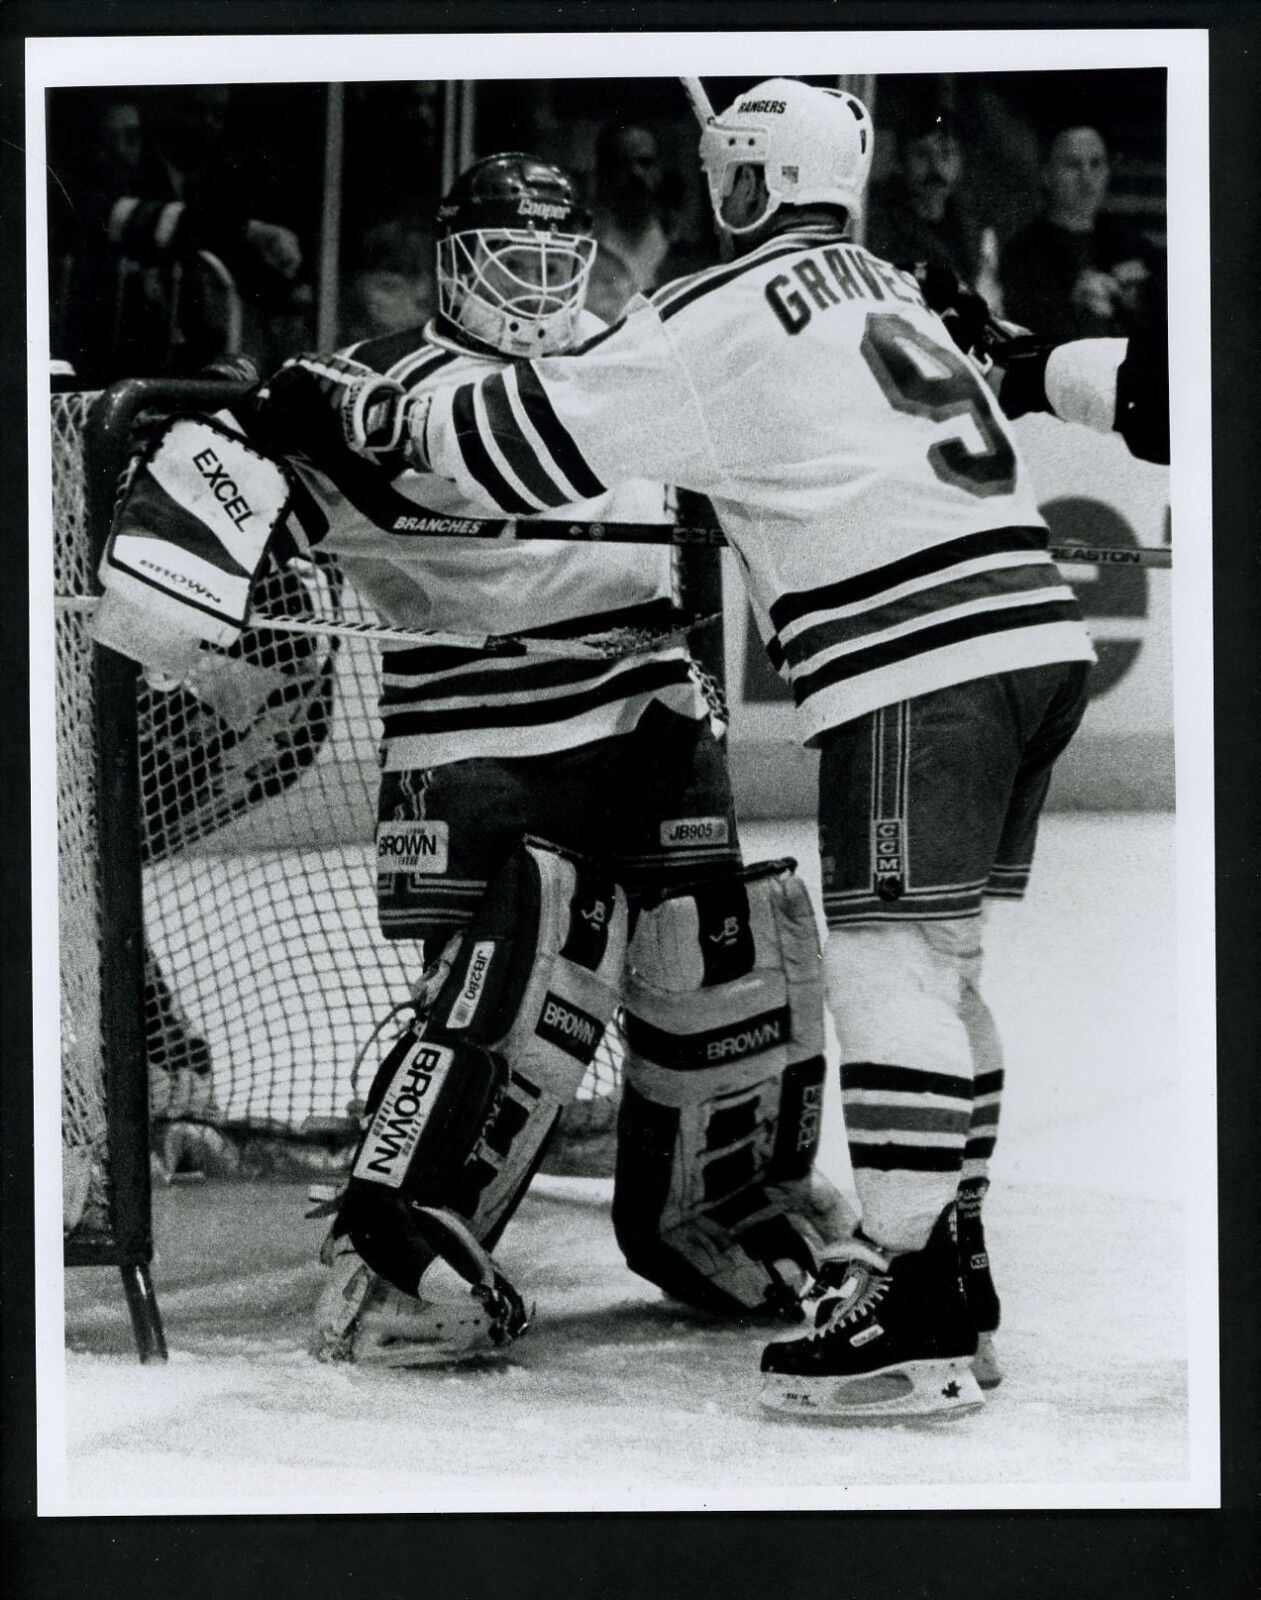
[(898, 566), (1107, 385), (530, 809)]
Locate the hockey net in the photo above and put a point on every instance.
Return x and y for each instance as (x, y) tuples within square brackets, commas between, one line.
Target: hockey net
[(264, 970)]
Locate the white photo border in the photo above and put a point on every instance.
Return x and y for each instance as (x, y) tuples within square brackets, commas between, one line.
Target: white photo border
[(313, 58)]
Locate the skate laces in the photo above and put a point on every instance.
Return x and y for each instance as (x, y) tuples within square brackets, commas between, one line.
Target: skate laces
[(838, 1304)]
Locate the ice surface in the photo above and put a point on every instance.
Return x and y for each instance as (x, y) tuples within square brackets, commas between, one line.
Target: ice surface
[(618, 1399)]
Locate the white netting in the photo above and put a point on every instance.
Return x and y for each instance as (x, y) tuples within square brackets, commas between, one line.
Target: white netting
[(265, 970), (85, 1152)]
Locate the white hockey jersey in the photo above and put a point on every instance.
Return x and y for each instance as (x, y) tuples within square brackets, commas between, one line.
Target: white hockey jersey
[(861, 469), (443, 703)]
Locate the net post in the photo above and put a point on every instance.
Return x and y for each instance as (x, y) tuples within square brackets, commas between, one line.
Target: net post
[(146, 1319), (116, 742)]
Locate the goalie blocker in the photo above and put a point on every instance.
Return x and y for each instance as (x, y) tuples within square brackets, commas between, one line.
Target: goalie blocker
[(716, 1199), (461, 1112)]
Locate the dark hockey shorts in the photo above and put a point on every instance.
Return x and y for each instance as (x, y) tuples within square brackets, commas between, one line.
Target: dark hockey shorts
[(655, 804), (928, 805)]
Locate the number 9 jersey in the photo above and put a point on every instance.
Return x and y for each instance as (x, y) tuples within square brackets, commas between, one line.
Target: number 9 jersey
[(859, 465)]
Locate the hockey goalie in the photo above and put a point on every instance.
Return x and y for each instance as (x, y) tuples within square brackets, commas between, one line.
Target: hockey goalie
[(558, 831)]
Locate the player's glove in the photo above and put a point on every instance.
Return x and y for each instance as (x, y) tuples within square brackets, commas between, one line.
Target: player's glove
[(1022, 358), (965, 313), (318, 404)]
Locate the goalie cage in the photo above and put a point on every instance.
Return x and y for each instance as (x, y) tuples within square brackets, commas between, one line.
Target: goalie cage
[(221, 964)]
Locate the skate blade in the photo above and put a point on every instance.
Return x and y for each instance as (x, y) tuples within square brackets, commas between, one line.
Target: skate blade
[(443, 1343), (361, 1351), (985, 1367), (914, 1389), (401, 1353)]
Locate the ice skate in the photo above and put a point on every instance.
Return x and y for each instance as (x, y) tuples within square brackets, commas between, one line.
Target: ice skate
[(361, 1318), (978, 1284), (891, 1338)]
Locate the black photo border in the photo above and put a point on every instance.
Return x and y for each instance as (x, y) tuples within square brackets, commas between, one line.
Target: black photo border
[(1072, 1555)]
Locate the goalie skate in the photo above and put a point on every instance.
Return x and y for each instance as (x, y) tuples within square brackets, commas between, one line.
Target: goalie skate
[(363, 1319), (890, 1339)]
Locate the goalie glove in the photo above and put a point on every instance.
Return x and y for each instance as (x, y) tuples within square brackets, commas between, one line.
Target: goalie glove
[(317, 404)]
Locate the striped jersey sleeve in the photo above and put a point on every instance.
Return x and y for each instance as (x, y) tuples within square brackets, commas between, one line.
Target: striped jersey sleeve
[(545, 433)]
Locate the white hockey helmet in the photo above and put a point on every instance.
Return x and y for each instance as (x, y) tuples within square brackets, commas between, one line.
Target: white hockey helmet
[(814, 147)]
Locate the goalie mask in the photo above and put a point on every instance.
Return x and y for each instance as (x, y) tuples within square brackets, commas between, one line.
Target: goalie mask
[(514, 254), (813, 146)]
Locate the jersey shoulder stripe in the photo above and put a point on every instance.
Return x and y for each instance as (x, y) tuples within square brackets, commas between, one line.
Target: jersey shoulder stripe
[(408, 357), (412, 372), (667, 292), (597, 338), (386, 350), (689, 290)]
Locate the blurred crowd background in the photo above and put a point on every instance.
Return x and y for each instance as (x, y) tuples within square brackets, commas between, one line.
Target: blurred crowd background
[(188, 223)]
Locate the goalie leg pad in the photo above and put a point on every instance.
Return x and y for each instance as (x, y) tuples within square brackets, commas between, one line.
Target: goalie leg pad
[(537, 980), (715, 1196), (429, 1110), (463, 1107)]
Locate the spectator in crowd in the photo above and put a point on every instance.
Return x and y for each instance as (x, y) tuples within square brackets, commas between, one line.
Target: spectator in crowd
[(1075, 272), (636, 202), (391, 287), (628, 221), (917, 213), (610, 286), (119, 145), (135, 194)]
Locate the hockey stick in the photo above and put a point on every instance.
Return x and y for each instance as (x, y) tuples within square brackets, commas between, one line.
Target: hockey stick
[(703, 111), (634, 641), (703, 536), (618, 643), (695, 91), (1112, 555)]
